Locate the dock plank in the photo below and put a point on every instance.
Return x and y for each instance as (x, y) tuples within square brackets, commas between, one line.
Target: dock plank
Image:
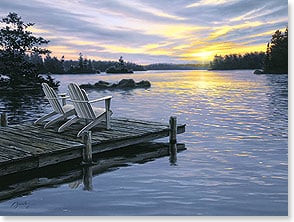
[(46, 134), (15, 143), (38, 139), (13, 153)]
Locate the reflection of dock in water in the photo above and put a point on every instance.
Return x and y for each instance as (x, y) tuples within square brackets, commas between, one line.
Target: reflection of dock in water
[(72, 172), (26, 146)]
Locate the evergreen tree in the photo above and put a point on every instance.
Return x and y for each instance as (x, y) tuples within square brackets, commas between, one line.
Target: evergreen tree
[(276, 60), (81, 62), (53, 65), (15, 43)]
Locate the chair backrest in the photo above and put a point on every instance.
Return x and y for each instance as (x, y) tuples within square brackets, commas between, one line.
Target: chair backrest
[(52, 97), (80, 101)]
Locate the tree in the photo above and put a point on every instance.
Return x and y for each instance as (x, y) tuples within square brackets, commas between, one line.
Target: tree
[(53, 65), (16, 42), (276, 60), (81, 62), (253, 60)]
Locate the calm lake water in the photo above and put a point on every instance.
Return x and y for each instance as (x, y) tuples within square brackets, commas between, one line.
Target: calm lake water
[(236, 162)]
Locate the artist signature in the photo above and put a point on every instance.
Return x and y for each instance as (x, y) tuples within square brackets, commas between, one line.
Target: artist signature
[(19, 204)]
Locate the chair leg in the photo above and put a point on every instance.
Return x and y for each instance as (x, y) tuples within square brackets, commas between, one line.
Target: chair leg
[(70, 113), (68, 123), (108, 113), (91, 125), (45, 117), (63, 117)]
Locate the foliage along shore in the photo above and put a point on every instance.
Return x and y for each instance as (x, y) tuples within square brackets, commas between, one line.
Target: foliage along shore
[(82, 66), (273, 61)]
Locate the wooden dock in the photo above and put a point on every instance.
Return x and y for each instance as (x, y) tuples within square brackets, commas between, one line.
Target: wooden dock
[(27, 146)]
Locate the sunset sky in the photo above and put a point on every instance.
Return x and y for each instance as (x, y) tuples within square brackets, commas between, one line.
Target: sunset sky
[(152, 31)]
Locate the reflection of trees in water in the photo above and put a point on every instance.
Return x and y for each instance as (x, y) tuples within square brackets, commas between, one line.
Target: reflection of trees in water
[(22, 106)]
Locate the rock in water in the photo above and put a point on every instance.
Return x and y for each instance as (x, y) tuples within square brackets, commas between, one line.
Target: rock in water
[(126, 83), (122, 84), (144, 84), (257, 71)]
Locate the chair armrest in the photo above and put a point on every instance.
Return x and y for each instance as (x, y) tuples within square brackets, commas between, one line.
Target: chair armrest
[(63, 95), (100, 99)]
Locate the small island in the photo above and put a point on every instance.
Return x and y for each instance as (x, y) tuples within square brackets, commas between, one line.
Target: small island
[(119, 67)]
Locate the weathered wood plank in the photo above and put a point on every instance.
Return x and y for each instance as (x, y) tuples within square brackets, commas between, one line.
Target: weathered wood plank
[(40, 135), (18, 166), (39, 143), (54, 158), (4, 159), (16, 148), (10, 152), (143, 122), (14, 142), (50, 133), (102, 147), (134, 128)]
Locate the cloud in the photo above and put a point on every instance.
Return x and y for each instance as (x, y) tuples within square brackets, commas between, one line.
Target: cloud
[(141, 7), (153, 30), (210, 3)]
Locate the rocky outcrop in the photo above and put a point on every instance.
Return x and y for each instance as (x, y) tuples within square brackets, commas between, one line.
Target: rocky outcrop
[(124, 84)]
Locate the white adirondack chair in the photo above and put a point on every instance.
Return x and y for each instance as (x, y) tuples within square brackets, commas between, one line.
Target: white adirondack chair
[(84, 110), (63, 110)]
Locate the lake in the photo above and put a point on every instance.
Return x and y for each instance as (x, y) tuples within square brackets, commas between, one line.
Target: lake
[(236, 162)]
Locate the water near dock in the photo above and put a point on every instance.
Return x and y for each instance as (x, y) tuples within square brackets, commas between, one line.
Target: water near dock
[(236, 162)]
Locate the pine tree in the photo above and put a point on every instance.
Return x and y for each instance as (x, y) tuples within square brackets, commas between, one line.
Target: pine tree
[(276, 60), (15, 43)]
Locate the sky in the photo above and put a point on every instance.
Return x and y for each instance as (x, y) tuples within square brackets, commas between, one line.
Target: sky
[(152, 31)]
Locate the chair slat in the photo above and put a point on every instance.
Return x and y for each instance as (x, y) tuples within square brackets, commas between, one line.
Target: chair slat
[(52, 98), (81, 102)]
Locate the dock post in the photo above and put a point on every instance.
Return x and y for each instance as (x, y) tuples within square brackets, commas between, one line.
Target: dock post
[(173, 140), (4, 121), (87, 178), (173, 129), (87, 152)]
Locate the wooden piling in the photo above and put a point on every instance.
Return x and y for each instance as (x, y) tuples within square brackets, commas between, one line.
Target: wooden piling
[(4, 121), (173, 149), (87, 152), (173, 129), (173, 140), (87, 178)]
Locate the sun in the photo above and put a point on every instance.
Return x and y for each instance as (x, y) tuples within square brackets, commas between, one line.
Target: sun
[(204, 56)]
